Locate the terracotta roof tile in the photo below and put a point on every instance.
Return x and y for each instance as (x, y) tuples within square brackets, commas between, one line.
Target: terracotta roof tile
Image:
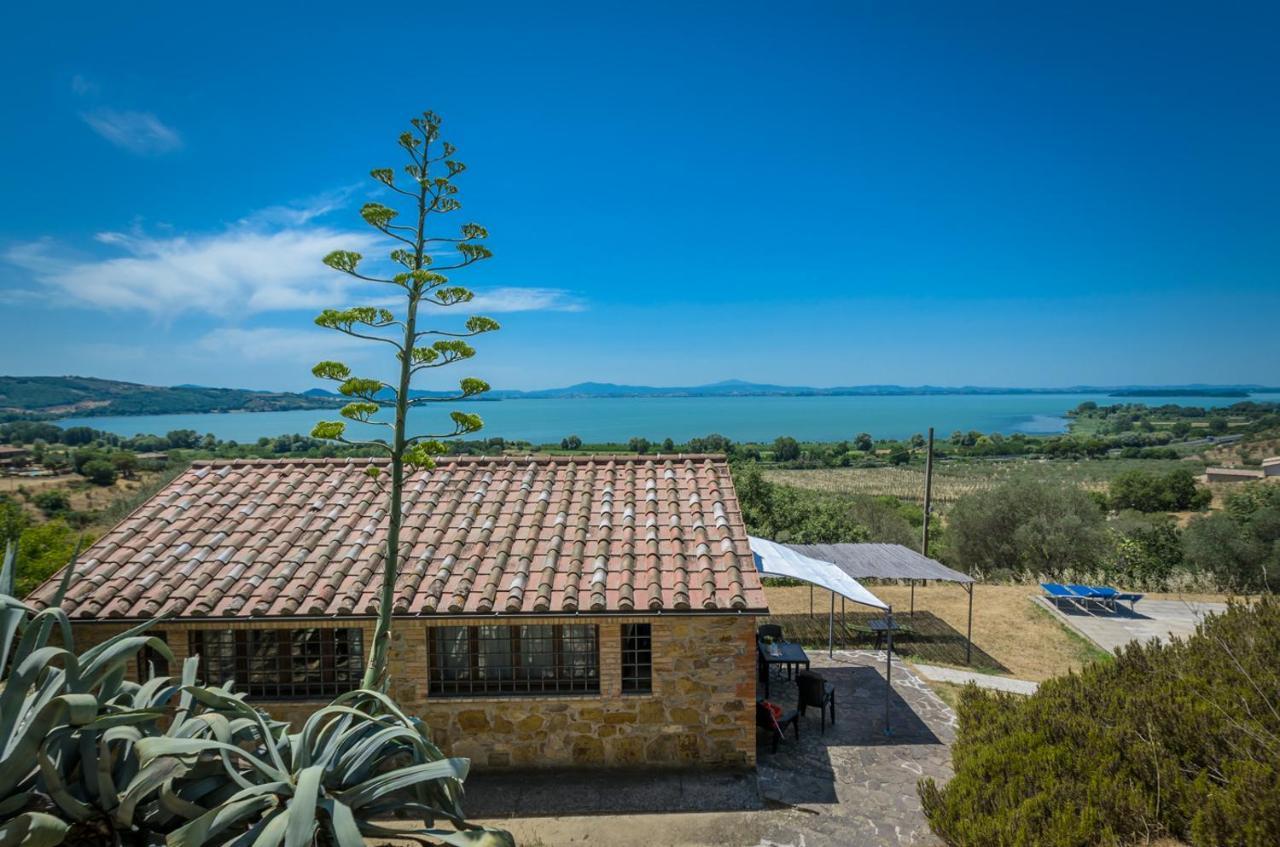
[(305, 537)]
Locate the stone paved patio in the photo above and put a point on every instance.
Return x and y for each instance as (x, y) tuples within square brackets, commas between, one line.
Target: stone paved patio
[(853, 785)]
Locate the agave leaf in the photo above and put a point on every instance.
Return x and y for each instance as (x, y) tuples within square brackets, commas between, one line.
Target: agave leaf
[(302, 808), (346, 832), (113, 657), (66, 575), (32, 829), (173, 801), (211, 697), (7, 569), (147, 781), (53, 784), (19, 759), (12, 615), (151, 748), (387, 783), (205, 827)]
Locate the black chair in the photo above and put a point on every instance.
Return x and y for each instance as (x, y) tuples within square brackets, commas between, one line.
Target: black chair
[(772, 630), (776, 727), (816, 691)]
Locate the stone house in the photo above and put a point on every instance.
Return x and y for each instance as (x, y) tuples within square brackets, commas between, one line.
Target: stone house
[(550, 611)]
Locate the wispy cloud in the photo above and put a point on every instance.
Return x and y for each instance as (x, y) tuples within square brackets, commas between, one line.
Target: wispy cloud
[(274, 344), (267, 262), (138, 132), (526, 300)]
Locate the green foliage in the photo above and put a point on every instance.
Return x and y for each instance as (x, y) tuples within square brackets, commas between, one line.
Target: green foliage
[(786, 449), (572, 442), (639, 445), (13, 520), (42, 550), (1178, 741), (782, 513), (1146, 551), (99, 471), (1026, 526), (1240, 545), (1144, 491), (863, 442), (52, 501)]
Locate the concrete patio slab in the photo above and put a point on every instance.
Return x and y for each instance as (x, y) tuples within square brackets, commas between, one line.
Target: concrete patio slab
[(1159, 619)]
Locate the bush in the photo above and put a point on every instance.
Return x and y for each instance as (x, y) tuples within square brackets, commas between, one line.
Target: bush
[(1240, 545), (1027, 526), (786, 449), (99, 472), (52, 501), (1144, 491), (42, 549), (1178, 740), (1146, 551)]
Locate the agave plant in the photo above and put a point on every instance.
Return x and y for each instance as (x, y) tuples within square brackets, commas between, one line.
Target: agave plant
[(242, 780), (54, 704)]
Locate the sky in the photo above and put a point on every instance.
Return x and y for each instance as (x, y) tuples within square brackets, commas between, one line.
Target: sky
[(806, 193)]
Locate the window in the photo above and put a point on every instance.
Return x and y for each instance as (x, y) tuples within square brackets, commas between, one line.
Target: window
[(637, 658), (149, 659), (282, 664), (525, 659)]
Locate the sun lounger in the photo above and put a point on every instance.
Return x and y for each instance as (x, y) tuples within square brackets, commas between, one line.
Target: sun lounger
[(1055, 592), (1113, 595)]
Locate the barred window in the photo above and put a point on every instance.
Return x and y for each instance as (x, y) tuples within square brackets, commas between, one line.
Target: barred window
[(525, 659), (637, 658), (282, 664)]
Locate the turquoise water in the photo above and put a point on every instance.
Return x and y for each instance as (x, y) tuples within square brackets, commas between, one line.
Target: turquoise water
[(681, 418)]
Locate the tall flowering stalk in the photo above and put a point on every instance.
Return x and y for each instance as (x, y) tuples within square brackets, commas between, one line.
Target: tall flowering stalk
[(429, 190)]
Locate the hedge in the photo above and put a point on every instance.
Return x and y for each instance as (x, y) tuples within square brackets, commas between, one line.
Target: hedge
[(1179, 741)]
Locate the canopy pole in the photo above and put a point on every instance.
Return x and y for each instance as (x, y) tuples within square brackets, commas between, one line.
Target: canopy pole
[(811, 601), (968, 646), (843, 627), (888, 668), (913, 597), (831, 628)]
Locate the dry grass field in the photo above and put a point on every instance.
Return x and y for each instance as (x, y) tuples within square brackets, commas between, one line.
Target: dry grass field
[(952, 480)]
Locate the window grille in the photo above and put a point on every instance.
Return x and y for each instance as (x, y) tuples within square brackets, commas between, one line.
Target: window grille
[(637, 658), (504, 660), (282, 664)]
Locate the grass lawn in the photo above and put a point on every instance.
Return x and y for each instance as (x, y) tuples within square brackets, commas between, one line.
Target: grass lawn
[(1023, 639)]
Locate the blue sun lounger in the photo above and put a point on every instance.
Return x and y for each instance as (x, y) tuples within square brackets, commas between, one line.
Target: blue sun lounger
[(1055, 592), (1107, 594)]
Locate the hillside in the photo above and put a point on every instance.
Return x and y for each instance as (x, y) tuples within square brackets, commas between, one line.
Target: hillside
[(54, 396)]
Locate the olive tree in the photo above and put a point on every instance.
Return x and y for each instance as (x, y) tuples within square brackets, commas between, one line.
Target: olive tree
[(417, 278)]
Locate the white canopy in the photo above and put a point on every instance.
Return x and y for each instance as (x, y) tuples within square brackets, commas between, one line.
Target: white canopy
[(777, 560)]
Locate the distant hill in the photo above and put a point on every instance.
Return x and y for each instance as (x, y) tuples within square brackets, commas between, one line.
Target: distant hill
[(58, 396), (66, 396)]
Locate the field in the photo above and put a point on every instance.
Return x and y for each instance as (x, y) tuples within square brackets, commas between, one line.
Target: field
[(954, 479)]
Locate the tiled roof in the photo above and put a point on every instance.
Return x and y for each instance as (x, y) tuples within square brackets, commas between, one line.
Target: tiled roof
[(305, 537)]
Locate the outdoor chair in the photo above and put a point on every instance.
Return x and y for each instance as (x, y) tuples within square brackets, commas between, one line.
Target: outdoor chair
[(771, 630), (1105, 597), (776, 725), (1112, 595), (1055, 592), (816, 691)]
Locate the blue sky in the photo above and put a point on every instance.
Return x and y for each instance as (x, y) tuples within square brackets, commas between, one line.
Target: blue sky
[(813, 193)]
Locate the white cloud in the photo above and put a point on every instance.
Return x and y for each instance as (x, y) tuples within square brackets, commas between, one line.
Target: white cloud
[(525, 300), (237, 272), (267, 262), (274, 344), (138, 132)]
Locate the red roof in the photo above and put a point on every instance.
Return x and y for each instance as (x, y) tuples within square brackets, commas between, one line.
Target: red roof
[(305, 537)]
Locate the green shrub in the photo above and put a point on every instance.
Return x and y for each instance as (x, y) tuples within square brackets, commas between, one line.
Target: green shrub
[(1179, 740), (1144, 491)]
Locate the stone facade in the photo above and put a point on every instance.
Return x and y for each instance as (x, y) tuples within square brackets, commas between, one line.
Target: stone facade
[(700, 712)]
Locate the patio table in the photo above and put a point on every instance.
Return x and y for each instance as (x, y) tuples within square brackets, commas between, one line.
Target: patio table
[(880, 627), (790, 655)]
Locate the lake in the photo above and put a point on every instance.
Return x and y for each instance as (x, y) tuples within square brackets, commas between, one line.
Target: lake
[(598, 420)]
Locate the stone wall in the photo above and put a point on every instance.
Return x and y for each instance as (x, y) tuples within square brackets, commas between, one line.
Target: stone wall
[(700, 712)]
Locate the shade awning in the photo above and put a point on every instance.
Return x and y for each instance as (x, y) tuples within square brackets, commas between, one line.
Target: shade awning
[(865, 560), (774, 559)]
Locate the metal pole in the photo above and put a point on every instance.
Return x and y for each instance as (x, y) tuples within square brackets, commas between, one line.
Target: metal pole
[(888, 668), (844, 629), (811, 600), (831, 628), (928, 496), (913, 597), (968, 647)]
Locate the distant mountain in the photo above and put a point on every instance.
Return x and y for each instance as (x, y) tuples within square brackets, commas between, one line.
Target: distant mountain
[(66, 396), (62, 396)]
